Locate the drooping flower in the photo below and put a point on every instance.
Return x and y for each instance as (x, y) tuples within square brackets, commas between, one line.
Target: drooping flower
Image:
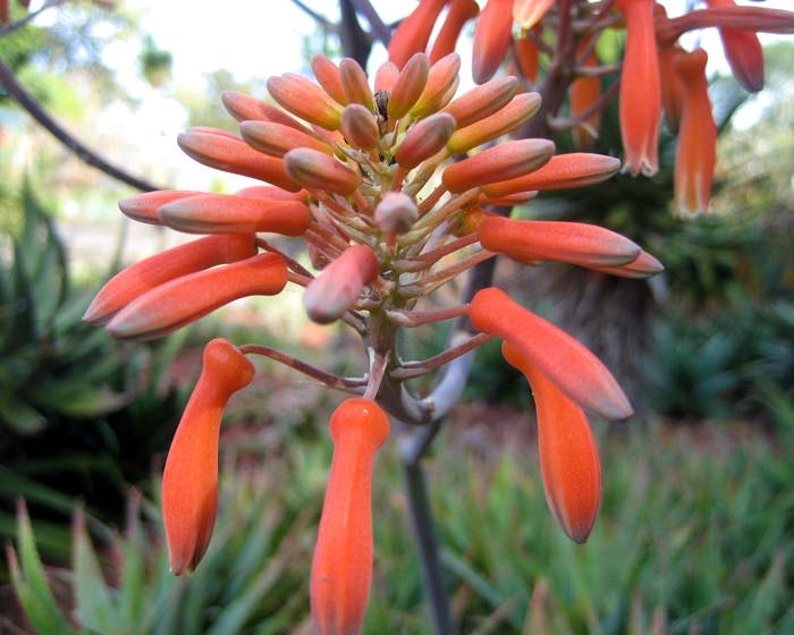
[(640, 102), (492, 39), (697, 139), (743, 52), (569, 462), (190, 478), (342, 566)]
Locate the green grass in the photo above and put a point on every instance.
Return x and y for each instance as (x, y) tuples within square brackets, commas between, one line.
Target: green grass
[(695, 535)]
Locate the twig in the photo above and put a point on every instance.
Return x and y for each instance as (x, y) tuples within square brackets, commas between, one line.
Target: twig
[(85, 154)]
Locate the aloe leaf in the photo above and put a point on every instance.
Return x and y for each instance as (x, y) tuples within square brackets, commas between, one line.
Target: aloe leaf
[(94, 603), (30, 581)]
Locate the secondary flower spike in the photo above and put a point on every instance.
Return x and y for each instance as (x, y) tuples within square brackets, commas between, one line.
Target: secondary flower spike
[(190, 479), (342, 566)]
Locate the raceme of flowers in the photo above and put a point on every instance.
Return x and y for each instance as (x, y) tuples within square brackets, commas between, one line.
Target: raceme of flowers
[(524, 36), (366, 178)]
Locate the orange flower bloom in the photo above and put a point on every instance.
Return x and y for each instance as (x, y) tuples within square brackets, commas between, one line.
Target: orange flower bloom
[(342, 565), (577, 243), (413, 33), (743, 51), (640, 95), (584, 93), (185, 299), (569, 460), (697, 140), (190, 479), (336, 290), (567, 363), (460, 12), (492, 38), (156, 270)]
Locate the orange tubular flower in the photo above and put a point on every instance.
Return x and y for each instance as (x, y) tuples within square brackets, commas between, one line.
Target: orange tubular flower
[(697, 140), (743, 51), (492, 38), (413, 33), (156, 270), (576, 243), (460, 12), (190, 479), (342, 565), (562, 171), (336, 290), (236, 214), (183, 300), (569, 461), (567, 363), (640, 93)]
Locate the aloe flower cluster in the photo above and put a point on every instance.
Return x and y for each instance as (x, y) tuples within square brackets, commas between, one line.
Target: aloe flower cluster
[(397, 187)]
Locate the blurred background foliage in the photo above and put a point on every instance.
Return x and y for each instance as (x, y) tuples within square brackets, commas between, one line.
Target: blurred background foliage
[(695, 533)]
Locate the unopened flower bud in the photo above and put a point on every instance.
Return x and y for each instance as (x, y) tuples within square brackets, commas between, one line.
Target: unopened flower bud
[(320, 171), (338, 287), (276, 139), (396, 213), (442, 81), (360, 127), (504, 161), (424, 139), (492, 38), (482, 101), (354, 83), (409, 86), (305, 99)]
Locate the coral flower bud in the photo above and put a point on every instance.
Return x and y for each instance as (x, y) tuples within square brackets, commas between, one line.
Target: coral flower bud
[(504, 161), (277, 139), (413, 33), (246, 108), (442, 81), (327, 75), (562, 171), (492, 38), (460, 12), (234, 214), (565, 361), (584, 93), (396, 212), (342, 565), (385, 78), (527, 13), (482, 101), (409, 86), (569, 462), (576, 243), (231, 154), (143, 207), (527, 57), (317, 170), (337, 289), (697, 139), (743, 51), (515, 113), (360, 127), (183, 300), (305, 99), (354, 83), (426, 138), (640, 103), (172, 263), (190, 478)]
